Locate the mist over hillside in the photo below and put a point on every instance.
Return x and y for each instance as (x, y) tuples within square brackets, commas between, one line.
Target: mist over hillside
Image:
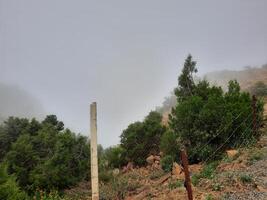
[(15, 101), (246, 77)]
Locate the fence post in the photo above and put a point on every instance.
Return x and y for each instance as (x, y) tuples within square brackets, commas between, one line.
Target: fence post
[(94, 164), (254, 100), (187, 175)]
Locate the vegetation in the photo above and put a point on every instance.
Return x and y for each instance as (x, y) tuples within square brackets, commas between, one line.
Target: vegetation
[(205, 117), (43, 155), (9, 188), (142, 139), (245, 178), (166, 163), (39, 159)]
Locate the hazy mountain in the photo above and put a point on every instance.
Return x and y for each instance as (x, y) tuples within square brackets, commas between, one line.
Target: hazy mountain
[(246, 77), (15, 101)]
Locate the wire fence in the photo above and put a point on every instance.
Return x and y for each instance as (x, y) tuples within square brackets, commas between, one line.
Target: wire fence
[(237, 132)]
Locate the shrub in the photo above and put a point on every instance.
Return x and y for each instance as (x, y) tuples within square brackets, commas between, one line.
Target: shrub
[(142, 139), (156, 174), (209, 170), (176, 184), (44, 154), (117, 188), (195, 179), (9, 189), (166, 163), (255, 155), (209, 197), (205, 117), (52, 195), (114, 156), (170, 145), (245, 178)]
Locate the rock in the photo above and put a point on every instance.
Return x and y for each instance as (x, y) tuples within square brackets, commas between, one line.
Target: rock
[(177, 171), (231, 153), (157, 158), (150, 159), (129, 166), (261, 189)]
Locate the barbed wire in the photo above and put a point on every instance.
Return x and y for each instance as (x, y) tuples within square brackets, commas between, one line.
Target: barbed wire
[(220, 131), (211, 156)]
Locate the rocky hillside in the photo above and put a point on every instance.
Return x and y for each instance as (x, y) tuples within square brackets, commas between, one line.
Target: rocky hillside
[(247, 77), (241, 175)]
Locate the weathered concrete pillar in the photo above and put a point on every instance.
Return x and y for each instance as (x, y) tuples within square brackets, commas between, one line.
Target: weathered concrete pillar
[(94, 164)]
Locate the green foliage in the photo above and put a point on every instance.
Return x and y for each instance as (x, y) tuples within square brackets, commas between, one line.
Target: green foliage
[(170, 145), (156, 174), (166, 163), (195, 179), (209, 170), (205, 117), (105, 176), (43, 155), (209, 197), (10, 131), (9, 189), (117, 188), (216, 187), (175, 184), (114, 156), (141, 139), (185, 81), (52, 195), (255, 155), (245, 178)]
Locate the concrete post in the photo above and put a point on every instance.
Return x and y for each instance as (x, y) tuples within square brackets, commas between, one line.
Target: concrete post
[(94, 164)]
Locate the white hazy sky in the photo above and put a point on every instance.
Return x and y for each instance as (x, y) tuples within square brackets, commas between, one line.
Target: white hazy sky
[(126, 55)]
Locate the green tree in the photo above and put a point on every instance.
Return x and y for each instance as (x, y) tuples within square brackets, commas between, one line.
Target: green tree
[(114, 157), (170, 145), (141, 139), (45, 156), (186, 83), (209, 119), (9, 189), (11, 129)]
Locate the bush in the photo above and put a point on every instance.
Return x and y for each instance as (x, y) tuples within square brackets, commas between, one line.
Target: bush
[(205, 117), (245, 178), (44, 153), (166, 163), (114, 157), (52, 195), (117, 188), (142, 139), (176, 184), (170, 145), (9, 189)]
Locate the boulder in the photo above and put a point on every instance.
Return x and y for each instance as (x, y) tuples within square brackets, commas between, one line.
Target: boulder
[(157, 158), (177, 170), (231, 153), (150, 159)]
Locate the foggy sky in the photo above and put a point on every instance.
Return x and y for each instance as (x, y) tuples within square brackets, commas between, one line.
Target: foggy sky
[(126, 55)]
